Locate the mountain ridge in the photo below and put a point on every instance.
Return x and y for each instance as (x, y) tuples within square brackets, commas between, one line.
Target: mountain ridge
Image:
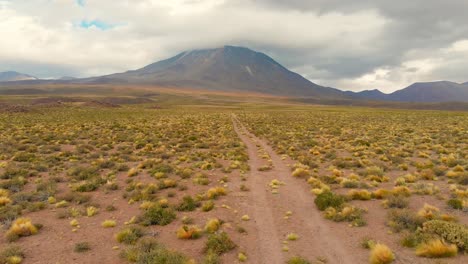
[(240, 69), (13, 76)]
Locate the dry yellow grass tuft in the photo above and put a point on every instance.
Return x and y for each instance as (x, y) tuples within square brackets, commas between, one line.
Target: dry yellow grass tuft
[(381, 254), (21, 227), (436, 249)]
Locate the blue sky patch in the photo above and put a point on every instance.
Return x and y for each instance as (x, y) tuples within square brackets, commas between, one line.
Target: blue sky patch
[(95, 23), (81, 2)]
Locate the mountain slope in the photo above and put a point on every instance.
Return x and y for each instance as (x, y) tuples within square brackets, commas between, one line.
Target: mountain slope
[(441, 91), (224, 69), (12, 76)]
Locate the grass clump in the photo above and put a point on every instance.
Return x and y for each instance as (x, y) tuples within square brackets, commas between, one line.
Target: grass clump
[(82, 247), (436, 249), (189, 232), (109, 223), (129, 235), (404, 219), (359, 195), (21, 227), (11, 255), (298, 260), (381, 254), (208, 206), (212, 225), (157, 215)]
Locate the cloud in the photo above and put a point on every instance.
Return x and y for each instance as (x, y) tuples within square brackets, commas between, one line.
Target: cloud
[(355, 45)]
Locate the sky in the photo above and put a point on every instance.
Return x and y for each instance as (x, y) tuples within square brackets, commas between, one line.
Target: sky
[(351, 45)]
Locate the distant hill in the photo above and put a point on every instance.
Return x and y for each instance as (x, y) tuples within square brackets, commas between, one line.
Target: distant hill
[(223, 69), (12, 76), (424, 92), (367, 94)]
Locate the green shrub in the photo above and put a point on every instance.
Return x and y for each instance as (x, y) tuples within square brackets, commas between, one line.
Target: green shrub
[(219, 243), (404, 220), (453, 233), (188, 204), (298, 260), (455, 204), (328, 199), (11, 252), (157, 215), (148, 251), (129, 235), (82, 247)]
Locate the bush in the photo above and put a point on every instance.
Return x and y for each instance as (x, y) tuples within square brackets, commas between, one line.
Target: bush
[(455, 204), (11, 255), (359, 195), (212, 225), (436, 249), (404, 220), (189, 232), (453, 233), (298, 260), (188, 204), (82, 247), (328, 199), (21, 227), (148, 251), (108, 223), (396, 201), (219, 243), (129, 235), (381, 254), (157, 215), (208, 206)]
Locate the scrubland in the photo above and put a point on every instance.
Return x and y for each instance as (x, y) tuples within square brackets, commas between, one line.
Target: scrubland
[(137, 184)]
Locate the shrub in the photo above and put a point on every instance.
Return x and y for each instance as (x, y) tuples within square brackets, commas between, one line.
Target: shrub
[(21, 227), (219, 243), (211, 258), (11, 255), (157, 215), (91, 211), (208, 206), (82, 247), (455, 204), (212, 225), (129, 235), (301, 173), (188, 204), (215, 192), (298, 260), (347, 213), (453, 233), (381, 254), (149, 251), (436, 249), (292, 237), (396, 201), (404, 220), (328, 199), (189, 232), (108, 223), (428, 212), (359, 195)]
